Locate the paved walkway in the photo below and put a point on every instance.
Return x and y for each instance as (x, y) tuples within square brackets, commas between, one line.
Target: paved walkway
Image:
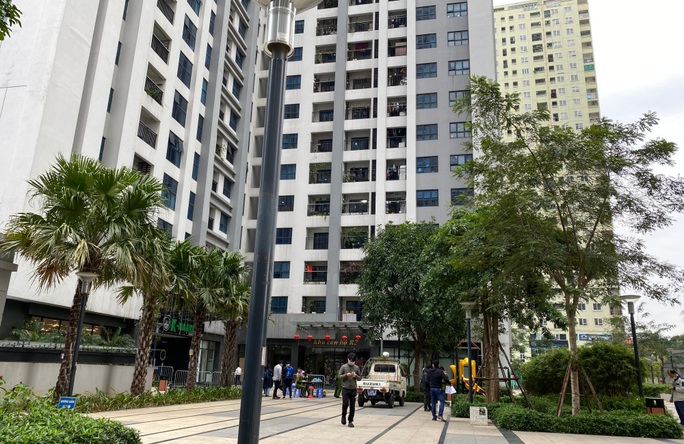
[(316, 421)]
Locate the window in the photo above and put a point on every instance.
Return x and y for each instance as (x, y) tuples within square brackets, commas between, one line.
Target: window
[(103, 142), (207, 57), (457, 38), (579, 126), (195, 166), (169, 191), (164, 225), (426, 132), (296, 55), (288, 171), (109, 101), (189, 32), (239, 58), (212, 20), (426, 70), (237, 89), (581, 306), (578, 113), (191, 205), (293, 82), (195, 5), (596, 306), (223, 223), (285, 203), (174, 149), (457, 160), (180, 108), (425, 101), (458, 130), (283, 236), (290, 141), (427, 164), (320, 241), (457, 9), (281, 270), (291, 111), (184, 69), (227, 187), (456, 95), (459, 195), (427, 198), (299, 27), (426, 13), (425, 41), (279, 304), (233, 121), (459, 67), (118, 54), (125, 11), (200, 127), (598, 321), (582, 321), (203, 96)]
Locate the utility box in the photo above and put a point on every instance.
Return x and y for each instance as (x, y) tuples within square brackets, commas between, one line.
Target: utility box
[(655, 406), (478, 416)]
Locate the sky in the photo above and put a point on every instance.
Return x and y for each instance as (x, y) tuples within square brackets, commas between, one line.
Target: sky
[(640, 68)]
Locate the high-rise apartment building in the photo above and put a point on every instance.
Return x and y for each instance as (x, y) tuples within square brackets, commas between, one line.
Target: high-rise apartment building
[(369, 138), (545, 54), (161, 86)]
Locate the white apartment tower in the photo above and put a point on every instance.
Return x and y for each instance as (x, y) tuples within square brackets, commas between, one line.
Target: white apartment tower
[(161, 86), (369, 138)]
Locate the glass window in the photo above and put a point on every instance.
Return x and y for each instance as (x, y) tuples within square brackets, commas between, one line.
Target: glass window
[(458, 130), (227, 187), (212, 20), (203, 96), (459, 67), (291, 111), (237, 89), (118, 53), (223, 223), (460, 195), (109, 101), (425, 101), (426, 70), (427, 164), (426, 13), (426, 132), (426, 41), (184, 69), (189, 32), (200, 127), (296, 55), (195, 166), (293, 82), (281, 270), (239, 58), (233, 120), (174, 149), (286, 203), (191, 205), (457, 9), (279, 304), (207, 57), (165, 226), (427, 198), (290, 141), (195, 5), (457, 160), (180, 108), (288, 171), (169, 191), (456, 95), (299, 26), (457, 38), (283, 236)]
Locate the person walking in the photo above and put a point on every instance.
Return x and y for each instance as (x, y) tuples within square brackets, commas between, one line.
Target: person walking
[(436, 377), (268, 381), (277, 376), (349, 373), (238, 376), (288, 379), (425, 388), (677, 396)]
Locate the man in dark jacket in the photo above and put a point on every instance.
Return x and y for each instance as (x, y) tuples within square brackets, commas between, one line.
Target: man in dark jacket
[(349, 373), (436, 377), (425, 388)]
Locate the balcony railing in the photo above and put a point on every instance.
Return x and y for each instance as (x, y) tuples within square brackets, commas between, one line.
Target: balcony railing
[(320, 177), (326, 29), (396, 21), (359, 83), (360, 2), (395, 207), (353, 241), (153, 90), (326, 86), (396, 109), (350, 316), (358, 112), (322, 146), (325, 57), (355, 208), (349, 277), (396, 142), (161, 48), (147, 135), (315, 277), (361, 26), (166, 10), (359, 54), (356, 175), (318, 209)]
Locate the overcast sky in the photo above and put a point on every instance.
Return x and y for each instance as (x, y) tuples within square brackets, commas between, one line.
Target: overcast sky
[(640, 68)]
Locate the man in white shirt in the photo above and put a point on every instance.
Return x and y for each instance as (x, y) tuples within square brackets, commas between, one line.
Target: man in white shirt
[(238, 376), (277, 377)]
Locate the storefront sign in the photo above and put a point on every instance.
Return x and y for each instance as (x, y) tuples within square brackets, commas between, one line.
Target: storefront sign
[(594, 337), (335, 343), (175, 325)]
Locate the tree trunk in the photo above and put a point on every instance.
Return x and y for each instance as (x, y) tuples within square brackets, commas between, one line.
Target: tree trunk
[(228, 355), (574, 369), (62, 385), (198, 327), (417, 372), (144, 342), (491, 345)]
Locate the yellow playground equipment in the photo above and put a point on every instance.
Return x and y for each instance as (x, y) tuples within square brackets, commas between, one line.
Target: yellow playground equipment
[(465, 371)]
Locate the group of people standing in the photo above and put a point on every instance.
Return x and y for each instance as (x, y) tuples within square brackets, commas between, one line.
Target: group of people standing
[(434, 378), (281, 377)]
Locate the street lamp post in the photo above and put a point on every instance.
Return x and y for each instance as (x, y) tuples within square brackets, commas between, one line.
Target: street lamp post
[(468, 306), (279, 38), (631, 299), (86, 278)]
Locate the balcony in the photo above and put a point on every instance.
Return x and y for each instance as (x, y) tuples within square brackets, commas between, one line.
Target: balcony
[(359, 52), (396, 48), (161, 47), (324, 83), (313, 305), (397, 108), (357, 144), (317, 176), (315, 274), (360, 83), (355, 207), (353, 237), (153, 90), (322, 146), (356, 175), (360, 2), (361, 26), (147, 135), (328, 56), (358, 112), (326, 27), (323, 115), (395, 206), (327, 4), (318, 208), (319, 241), (396, 21), (396, 172)]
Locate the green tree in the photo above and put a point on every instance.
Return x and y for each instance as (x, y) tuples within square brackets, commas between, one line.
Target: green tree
[(90, 220), (233, 310), (9, 16), (571, 188)]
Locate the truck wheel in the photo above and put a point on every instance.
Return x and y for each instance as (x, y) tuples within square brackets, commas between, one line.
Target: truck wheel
[(390, 400), (361, 401), (401, 401)]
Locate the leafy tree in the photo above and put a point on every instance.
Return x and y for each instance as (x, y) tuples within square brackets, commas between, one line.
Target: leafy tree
[(233, 312), (571, 187), (90, 219), (9, 16)]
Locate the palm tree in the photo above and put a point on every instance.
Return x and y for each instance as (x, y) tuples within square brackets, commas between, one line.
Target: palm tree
[(89, 220)]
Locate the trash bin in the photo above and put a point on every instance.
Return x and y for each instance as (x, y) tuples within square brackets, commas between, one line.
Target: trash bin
[(655, 406)]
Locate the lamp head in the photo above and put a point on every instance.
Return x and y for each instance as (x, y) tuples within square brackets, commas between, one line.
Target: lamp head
[(630, 299), (467, 306), (86, 278)]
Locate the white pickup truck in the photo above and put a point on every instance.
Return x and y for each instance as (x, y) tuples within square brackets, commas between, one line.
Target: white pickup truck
[(383, 380)]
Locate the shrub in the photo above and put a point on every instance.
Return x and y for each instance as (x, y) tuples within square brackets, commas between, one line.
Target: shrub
[(544, 373), (610, 367), (655, 390), (412, 396), (26, 418)]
